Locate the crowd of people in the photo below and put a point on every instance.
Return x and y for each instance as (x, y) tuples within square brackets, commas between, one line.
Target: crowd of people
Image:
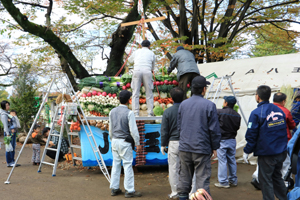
[(11, 124), (193, 131)]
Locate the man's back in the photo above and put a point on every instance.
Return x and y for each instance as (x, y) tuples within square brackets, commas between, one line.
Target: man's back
[(230, 122), (143, 59), (185, 63), (169, 129), (290, 123), (198, 125), (266, 134)]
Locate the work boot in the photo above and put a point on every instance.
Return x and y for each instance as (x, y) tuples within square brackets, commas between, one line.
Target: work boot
[(115, 192), (132, 194), (255, 184)]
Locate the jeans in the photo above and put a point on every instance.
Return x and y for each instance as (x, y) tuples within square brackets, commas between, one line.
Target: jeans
[(145, 77), (10, 156), (226, 157), (122, 151), (270, 177), (191, 163)]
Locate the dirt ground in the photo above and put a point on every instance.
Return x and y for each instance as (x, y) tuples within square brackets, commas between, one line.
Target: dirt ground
[(82, 183)]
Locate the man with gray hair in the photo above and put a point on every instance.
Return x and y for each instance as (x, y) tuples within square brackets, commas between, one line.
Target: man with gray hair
[(144, 61)]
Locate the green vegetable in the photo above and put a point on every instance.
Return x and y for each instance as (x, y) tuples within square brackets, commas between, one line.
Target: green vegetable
[(126, 78), (93, 81), (164, 88), (236, 108), (114, 90), (7, 140), (158, 111), (158, 77), (107, 89)]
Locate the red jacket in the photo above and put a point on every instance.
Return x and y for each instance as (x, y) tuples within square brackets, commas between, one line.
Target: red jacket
[(290, 124)]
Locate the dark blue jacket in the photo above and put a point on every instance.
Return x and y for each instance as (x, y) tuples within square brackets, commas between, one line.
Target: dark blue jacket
[(296, 112), (266, 133), (198, 125), (169, 131)]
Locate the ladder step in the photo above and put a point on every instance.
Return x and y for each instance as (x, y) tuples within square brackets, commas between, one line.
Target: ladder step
[(75, 146), (52, 149), (51, 134), (77, 158), (73, 133), (47, 163)]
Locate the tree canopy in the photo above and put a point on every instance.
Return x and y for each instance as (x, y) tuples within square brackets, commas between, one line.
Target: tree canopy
[(79, 30)]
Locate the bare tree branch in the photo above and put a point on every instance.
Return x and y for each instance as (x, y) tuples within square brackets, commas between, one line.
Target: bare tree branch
[(32, 4), (48, 14), (86, 23)]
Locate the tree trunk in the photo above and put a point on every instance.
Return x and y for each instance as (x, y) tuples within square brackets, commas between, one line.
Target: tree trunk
[(66, 69), (48, 36), (120, 39)]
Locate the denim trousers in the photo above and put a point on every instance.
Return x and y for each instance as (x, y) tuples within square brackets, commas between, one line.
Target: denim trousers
[(226, 157), (122, 151), (270, 177), (10, 156)]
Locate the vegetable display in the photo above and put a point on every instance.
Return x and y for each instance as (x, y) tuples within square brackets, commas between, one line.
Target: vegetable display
[(99, 95)]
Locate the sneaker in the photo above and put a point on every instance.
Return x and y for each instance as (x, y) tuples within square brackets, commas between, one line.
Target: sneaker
[(219, 185), (255, 183), (115, 192), (132, 194), (232, 184), (173, 197)]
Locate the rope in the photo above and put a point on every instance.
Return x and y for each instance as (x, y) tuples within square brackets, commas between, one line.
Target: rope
[(138, 30)]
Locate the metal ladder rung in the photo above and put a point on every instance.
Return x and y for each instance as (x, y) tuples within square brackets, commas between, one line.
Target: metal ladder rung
[(73, 133), (52, 134), (75, 146), (52, 149), (47, 163), (77, 158)]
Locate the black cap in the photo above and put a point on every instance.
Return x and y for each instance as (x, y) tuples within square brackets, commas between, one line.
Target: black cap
[(199, 82), (230, 99), (124, 95), (146, 43)]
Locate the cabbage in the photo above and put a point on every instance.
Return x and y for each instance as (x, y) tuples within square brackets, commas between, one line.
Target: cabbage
[(91, 107), (155, 94), (156, 103), (188, 94), (163, 95), (126, 78), (144, 106), (143, 89), (158, 111)]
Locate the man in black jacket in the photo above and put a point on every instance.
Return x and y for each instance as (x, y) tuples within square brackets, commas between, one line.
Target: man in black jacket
[(230, 122), (170, 138)]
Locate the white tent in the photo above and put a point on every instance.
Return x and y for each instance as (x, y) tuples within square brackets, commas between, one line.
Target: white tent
[(248, 74)]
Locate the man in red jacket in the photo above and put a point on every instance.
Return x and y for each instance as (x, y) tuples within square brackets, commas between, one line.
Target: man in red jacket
[(279, 100)]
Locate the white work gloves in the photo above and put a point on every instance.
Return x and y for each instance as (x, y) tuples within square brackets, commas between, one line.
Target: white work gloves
[(245, 157), (163, 150)]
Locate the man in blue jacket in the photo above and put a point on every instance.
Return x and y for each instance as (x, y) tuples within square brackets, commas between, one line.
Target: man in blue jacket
[(267, 138), (200, 137)]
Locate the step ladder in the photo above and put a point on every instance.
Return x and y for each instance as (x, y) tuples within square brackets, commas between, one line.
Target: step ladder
[(67, 89), (50, 136), (214, 93), (87, 130)]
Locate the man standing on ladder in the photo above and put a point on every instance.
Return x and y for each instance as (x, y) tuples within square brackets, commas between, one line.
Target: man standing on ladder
[(144, 61), (186, 65)]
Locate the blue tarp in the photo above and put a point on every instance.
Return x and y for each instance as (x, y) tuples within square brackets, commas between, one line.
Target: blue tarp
[(88, 157)]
